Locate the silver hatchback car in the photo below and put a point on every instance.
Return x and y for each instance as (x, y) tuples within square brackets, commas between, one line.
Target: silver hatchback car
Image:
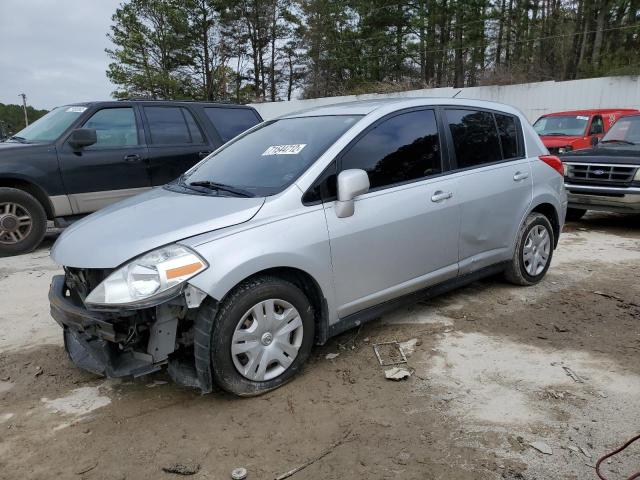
[(301, 228)]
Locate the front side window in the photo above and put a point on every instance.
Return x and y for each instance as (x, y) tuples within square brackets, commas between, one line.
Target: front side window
[(597, 126), (172, 126), (475, 138), (231, 122), (114, 127), (562, 125), (403, 148), (266, 160), (50, 126)]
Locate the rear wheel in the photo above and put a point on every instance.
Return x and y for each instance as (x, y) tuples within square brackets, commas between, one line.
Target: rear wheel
[(23, 222), (262, 336), (575, 214), (533, 252)]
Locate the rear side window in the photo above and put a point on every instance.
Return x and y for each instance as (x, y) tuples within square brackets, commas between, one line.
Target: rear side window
[(115, 127), (403, 148), (475, 137), (172, 126), (231, 122), (508, 130)]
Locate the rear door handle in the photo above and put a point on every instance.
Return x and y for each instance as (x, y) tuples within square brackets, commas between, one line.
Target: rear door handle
[(440, 196), (203, 154), (520, 176), (134, 157)]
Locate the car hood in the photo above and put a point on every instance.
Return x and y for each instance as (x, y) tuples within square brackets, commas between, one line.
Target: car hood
[(601, 154), (555, 141), (118, 233)]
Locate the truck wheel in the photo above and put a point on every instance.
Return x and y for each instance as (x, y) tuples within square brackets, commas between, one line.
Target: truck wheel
[(262, 336), (533, 252), (575, 214), (23, 222)]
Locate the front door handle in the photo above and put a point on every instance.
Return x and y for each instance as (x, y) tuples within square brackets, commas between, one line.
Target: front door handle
[(440, 196), (134, 157), (203, 154), (520, 176)]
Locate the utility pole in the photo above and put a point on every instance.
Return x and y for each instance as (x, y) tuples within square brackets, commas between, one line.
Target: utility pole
[(24, 107)]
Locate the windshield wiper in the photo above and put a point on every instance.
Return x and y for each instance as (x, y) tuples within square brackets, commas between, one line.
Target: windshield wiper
[(221, 187), (18, 139), (627, 142), (554, 134)]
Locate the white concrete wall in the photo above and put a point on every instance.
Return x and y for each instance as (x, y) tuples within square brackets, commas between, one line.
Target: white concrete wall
[(533, 99)]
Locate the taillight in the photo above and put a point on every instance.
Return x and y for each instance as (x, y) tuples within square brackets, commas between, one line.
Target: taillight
[(554, 162)]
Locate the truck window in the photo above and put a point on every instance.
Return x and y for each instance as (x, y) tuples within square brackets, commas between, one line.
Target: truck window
[(597, 126), (172, 126), (114, 127), (231, 122)]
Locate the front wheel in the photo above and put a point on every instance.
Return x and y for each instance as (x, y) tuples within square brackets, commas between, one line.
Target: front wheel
[(262, 336), (23, 222), (533, 251)]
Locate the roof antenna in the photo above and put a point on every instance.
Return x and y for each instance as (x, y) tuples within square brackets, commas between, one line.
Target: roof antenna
[(456, 94)]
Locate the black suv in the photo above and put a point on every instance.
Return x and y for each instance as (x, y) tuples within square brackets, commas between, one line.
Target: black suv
[(607, 176), (79, 158)]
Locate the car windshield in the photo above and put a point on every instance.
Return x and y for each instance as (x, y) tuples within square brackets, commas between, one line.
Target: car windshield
[(51, 126), (266, 160), (562, 125), (625, 131)]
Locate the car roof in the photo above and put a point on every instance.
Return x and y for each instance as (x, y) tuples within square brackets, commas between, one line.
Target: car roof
[(592, 111), (365, 107), (126, 101)]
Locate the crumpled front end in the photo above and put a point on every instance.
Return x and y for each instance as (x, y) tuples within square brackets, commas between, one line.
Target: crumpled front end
[(132, 342)]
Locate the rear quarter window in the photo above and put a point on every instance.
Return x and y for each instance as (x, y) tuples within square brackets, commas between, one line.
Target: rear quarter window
[(231, 122)]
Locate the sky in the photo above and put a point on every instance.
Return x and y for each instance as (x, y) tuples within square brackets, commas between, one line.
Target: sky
[(53, 51)]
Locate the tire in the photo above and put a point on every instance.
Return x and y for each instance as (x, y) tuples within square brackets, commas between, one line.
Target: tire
[(529, 272), (244, 372), (575, 214), (15, 206)]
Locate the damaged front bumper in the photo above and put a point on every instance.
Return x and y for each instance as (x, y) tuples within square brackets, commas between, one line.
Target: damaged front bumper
[(133, 342)]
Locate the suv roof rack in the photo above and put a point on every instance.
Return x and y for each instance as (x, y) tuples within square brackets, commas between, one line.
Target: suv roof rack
[(147, 99)]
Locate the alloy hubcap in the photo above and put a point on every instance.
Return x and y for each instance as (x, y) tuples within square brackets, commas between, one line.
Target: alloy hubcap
[(266, 340), (15, 223), (537, 247)]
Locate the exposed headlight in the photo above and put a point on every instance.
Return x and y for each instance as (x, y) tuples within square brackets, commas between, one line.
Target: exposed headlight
[(566, 149), (636, 178), (149, 279)]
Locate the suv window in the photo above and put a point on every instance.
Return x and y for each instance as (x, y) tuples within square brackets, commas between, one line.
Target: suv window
[(475, 137), (403, 148), (115, 127), (172, 125), (231, 122), (597, 126), (508, 130)]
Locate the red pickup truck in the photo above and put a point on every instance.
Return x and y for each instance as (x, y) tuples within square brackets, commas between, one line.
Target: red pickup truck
[(563, 132)]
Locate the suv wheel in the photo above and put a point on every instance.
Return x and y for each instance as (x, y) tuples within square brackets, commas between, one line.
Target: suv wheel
[(575, 214), (262, 336), (23, 222), (533, 252)]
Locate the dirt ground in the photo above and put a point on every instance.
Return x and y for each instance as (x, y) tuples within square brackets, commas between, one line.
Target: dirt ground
[(488, 380)]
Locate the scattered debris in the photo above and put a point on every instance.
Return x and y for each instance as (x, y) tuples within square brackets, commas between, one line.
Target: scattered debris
[(331, 356), (5, 379), (585, 452), (608, 295), (182, 469), (157, 383), (397, 374), (39, 372), (402, 458), (391, 354), (293, 471), (86, 469), (560, 329), (573, 448), (239, 473), (554, 394), (409, 346), (542, 447), (573, 375)]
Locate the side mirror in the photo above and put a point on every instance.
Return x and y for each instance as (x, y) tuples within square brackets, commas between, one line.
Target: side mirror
[(351, 183), (594, 141), (82, 137)]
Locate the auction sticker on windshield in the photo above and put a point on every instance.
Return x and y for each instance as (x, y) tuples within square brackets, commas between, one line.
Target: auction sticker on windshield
[(284, 149), (76, 109)]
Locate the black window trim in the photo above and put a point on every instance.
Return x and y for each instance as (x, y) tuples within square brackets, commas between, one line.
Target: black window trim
[(147, 126), (337, 160), (453, 161), (87, 115)]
